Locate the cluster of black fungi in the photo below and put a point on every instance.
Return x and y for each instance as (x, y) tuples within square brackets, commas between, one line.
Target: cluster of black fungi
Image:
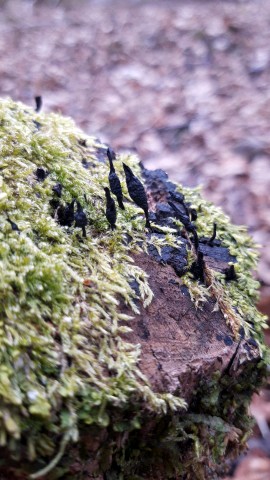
[(67, 216)]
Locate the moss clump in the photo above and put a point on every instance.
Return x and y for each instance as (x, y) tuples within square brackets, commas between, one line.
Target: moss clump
[(62, 359), (63, 363)]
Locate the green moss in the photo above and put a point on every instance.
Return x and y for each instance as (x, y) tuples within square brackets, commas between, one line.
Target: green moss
[(59, 322), (63, 364)]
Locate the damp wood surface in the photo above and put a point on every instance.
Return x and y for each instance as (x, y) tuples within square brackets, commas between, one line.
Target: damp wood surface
[(180, 344)]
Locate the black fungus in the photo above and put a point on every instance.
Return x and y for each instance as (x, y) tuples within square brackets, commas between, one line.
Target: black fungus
[(211, 240), (110, 209), (80, 218), (65, 214), (41, 174), (55, 203), (38, 100), (137, 192), (230, 273), (61, 215), (180, 199), (197, 268), (184, 218), (195, 239), (111, 154), (114, 181), (13, 225), (193, 214), (181, 205)]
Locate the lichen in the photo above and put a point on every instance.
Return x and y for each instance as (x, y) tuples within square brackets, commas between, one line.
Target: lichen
[(64, 365)]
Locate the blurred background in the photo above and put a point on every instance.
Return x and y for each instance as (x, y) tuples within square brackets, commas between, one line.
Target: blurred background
[(183, 83)]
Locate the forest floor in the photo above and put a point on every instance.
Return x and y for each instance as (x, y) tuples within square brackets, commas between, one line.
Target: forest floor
[(185, 84)]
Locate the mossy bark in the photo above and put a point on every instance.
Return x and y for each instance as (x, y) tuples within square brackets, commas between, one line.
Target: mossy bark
[(116, 361)]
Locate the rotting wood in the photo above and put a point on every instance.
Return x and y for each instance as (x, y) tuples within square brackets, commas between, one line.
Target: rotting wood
[(194, 351)]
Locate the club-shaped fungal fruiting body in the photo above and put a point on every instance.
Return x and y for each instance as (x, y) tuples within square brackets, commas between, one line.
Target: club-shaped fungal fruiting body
[(110, 209), (80, 218), (114, 181), (137, 192), (185, 220), (38, 100)]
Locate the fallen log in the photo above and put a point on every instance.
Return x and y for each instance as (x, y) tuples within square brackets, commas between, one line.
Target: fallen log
[(130, 353)]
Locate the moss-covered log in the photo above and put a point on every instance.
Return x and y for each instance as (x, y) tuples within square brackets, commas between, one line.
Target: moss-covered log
[(125, 354)]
